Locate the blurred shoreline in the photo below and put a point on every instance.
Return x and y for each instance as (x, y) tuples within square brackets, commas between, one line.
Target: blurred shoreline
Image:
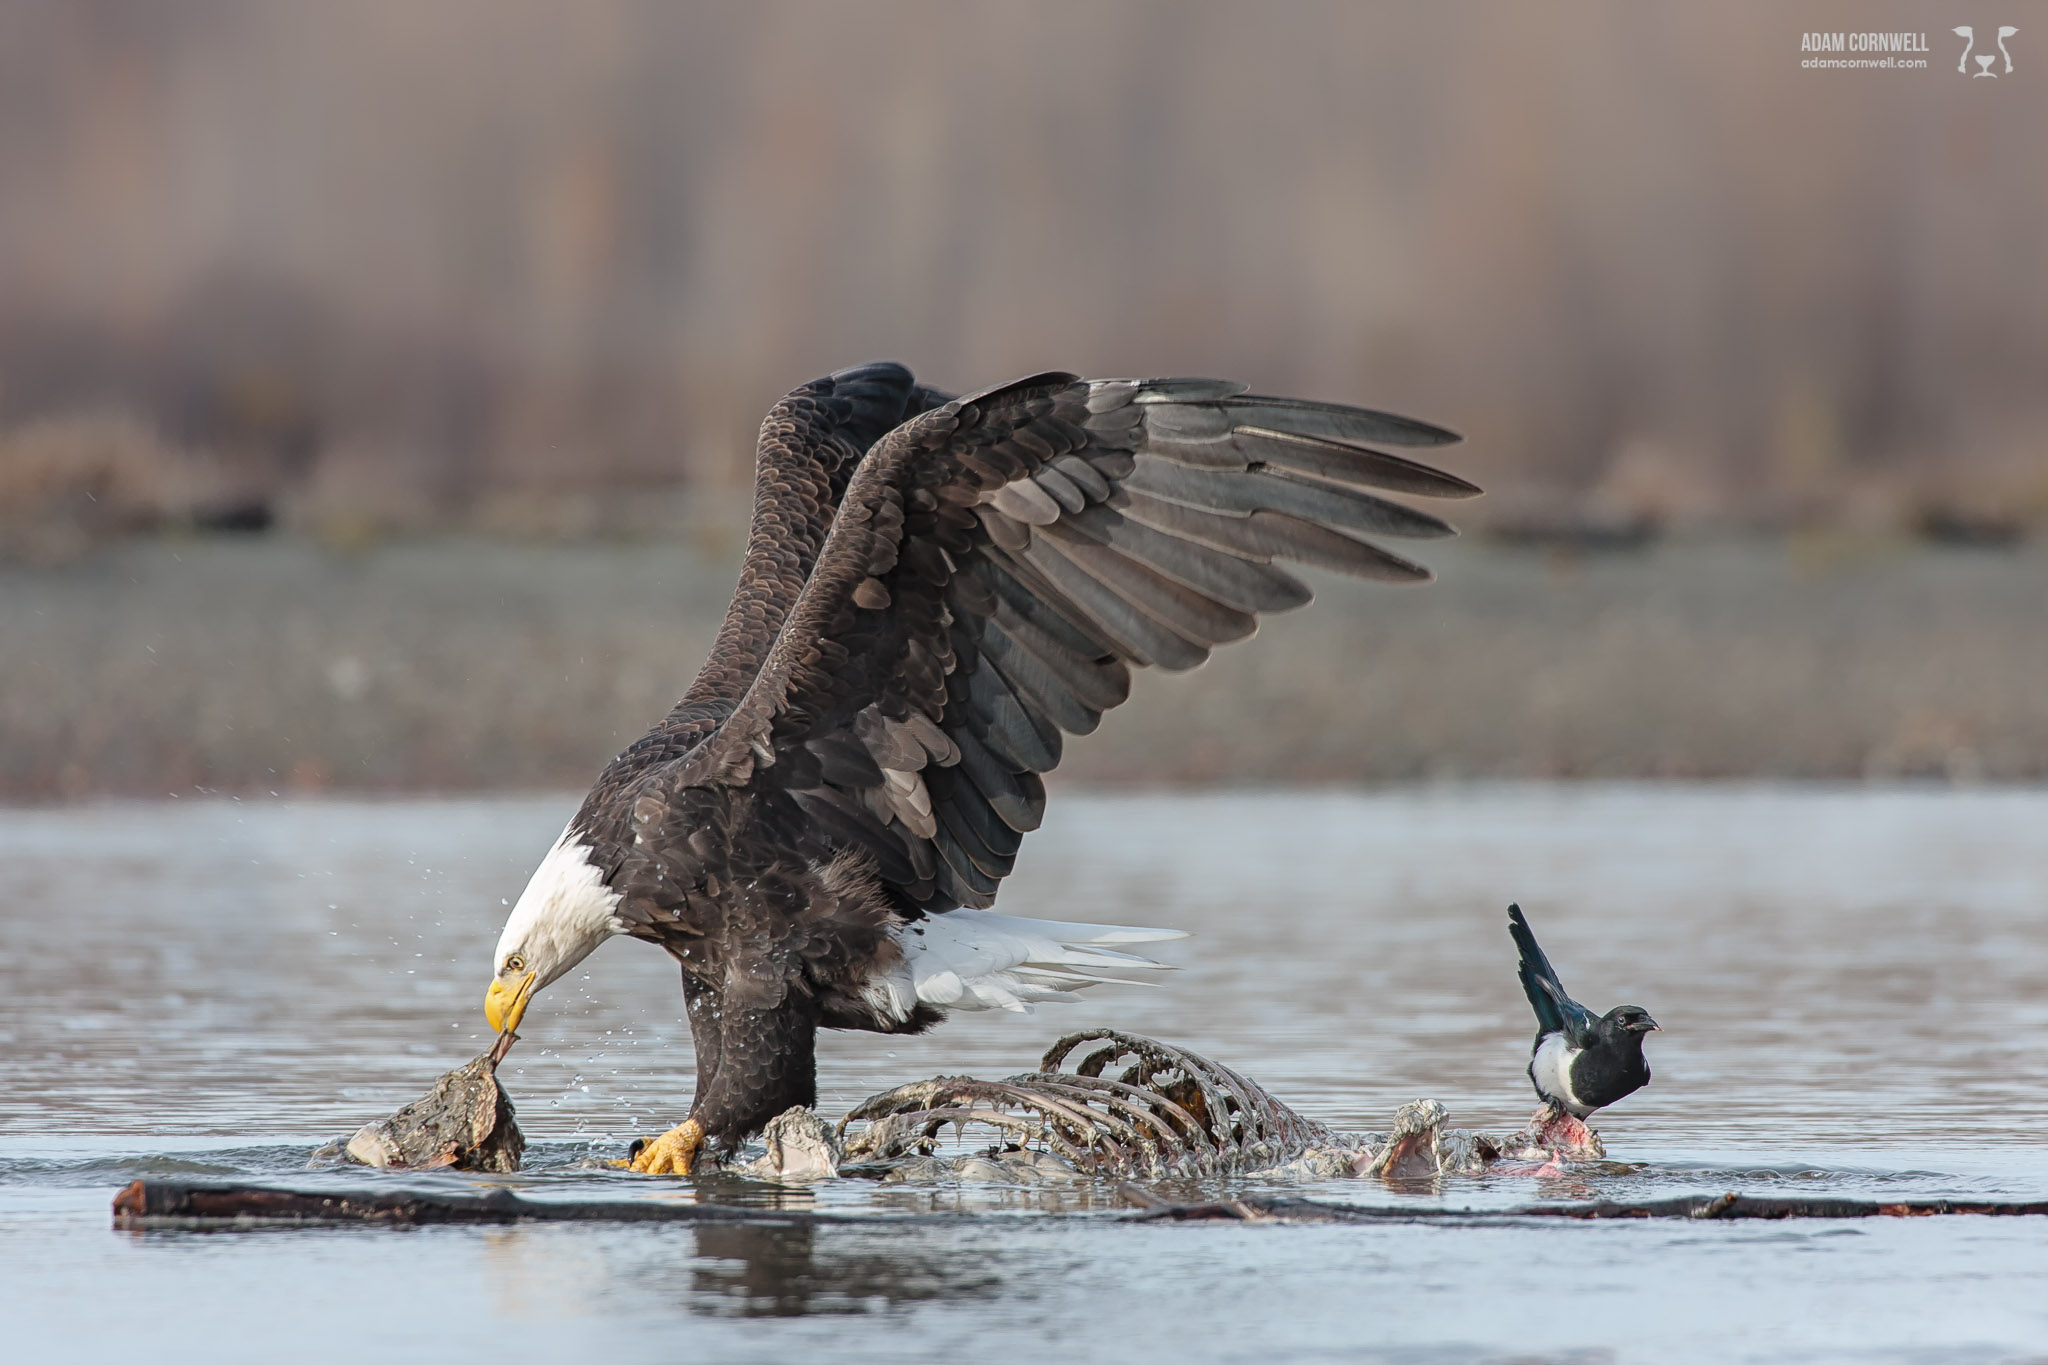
[(177, 665), (381, 269)]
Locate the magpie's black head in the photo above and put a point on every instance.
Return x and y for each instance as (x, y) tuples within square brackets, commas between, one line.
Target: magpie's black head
[(1630, 1019)]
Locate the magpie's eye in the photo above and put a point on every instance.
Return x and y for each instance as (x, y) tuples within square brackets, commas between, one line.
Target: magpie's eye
[(515, 963)]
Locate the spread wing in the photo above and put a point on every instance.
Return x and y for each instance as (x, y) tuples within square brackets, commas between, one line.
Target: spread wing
[(997, 567)]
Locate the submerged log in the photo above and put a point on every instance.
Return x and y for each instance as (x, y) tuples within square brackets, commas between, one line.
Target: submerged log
[(201, 1205), (1730, 1207), (192, 1204)]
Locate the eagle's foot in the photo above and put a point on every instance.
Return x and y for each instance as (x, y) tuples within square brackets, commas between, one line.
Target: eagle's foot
[(673, 1153)]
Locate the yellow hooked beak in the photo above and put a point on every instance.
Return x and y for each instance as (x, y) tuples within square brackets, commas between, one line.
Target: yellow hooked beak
[(505, 1005)]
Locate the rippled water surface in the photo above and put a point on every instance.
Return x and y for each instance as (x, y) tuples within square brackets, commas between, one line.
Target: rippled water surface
[(1853, 983)]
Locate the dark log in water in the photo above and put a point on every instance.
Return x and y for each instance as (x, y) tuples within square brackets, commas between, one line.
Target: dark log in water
[(190, 1204), (1700, 1207)]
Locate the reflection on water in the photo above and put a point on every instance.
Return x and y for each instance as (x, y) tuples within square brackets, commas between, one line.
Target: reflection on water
[(1854, 987), (792, 1271), (725, 1270)]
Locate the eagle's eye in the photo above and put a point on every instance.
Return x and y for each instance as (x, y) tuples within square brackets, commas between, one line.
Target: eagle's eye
[(515, 963)]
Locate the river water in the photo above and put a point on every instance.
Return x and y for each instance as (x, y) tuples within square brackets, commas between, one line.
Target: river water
[(1853, 984)]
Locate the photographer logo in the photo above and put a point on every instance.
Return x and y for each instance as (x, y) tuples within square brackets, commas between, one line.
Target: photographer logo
[(1985, 60)]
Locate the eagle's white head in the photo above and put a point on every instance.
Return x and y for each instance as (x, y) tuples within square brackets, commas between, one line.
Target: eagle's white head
[(564, 913)]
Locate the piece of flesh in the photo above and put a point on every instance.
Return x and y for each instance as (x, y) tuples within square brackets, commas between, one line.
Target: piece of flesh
[(1410, 1151), (1556, 1130), (801, 1146), (465, 1121)]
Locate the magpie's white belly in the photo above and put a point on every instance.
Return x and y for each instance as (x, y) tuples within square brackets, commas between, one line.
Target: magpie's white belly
[(1551, 1069)]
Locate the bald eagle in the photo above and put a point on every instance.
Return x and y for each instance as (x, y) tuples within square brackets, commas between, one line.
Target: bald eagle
[(935, 590)]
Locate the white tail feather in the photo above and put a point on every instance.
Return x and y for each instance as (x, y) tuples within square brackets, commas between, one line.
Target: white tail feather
[(976, 960)]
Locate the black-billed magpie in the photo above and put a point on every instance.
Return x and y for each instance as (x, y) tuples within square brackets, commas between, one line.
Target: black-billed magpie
[(1581, 1062)]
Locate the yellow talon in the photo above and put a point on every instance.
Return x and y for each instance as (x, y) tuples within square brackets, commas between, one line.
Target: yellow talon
[(673, 1153)]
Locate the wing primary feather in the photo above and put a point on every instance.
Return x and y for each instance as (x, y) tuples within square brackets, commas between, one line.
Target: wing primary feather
[(986, 860), (1347, 464), (1017, 798), (1100, 683), (1034, 711), (1010, 735), (966, 875), (1215, 445), (1027, 593), (1338, 422), (1184, 390), (1036, 683), (1137, 634), (1272, 535), (1228, 490), (1117, 622), (1200, 620), (951, 787), (1242, 583)]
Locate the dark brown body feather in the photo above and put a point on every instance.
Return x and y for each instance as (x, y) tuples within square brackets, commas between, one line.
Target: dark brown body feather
[(934, 593)]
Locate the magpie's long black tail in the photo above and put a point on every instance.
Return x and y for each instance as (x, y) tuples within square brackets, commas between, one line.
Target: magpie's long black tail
[(1539, 979)]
